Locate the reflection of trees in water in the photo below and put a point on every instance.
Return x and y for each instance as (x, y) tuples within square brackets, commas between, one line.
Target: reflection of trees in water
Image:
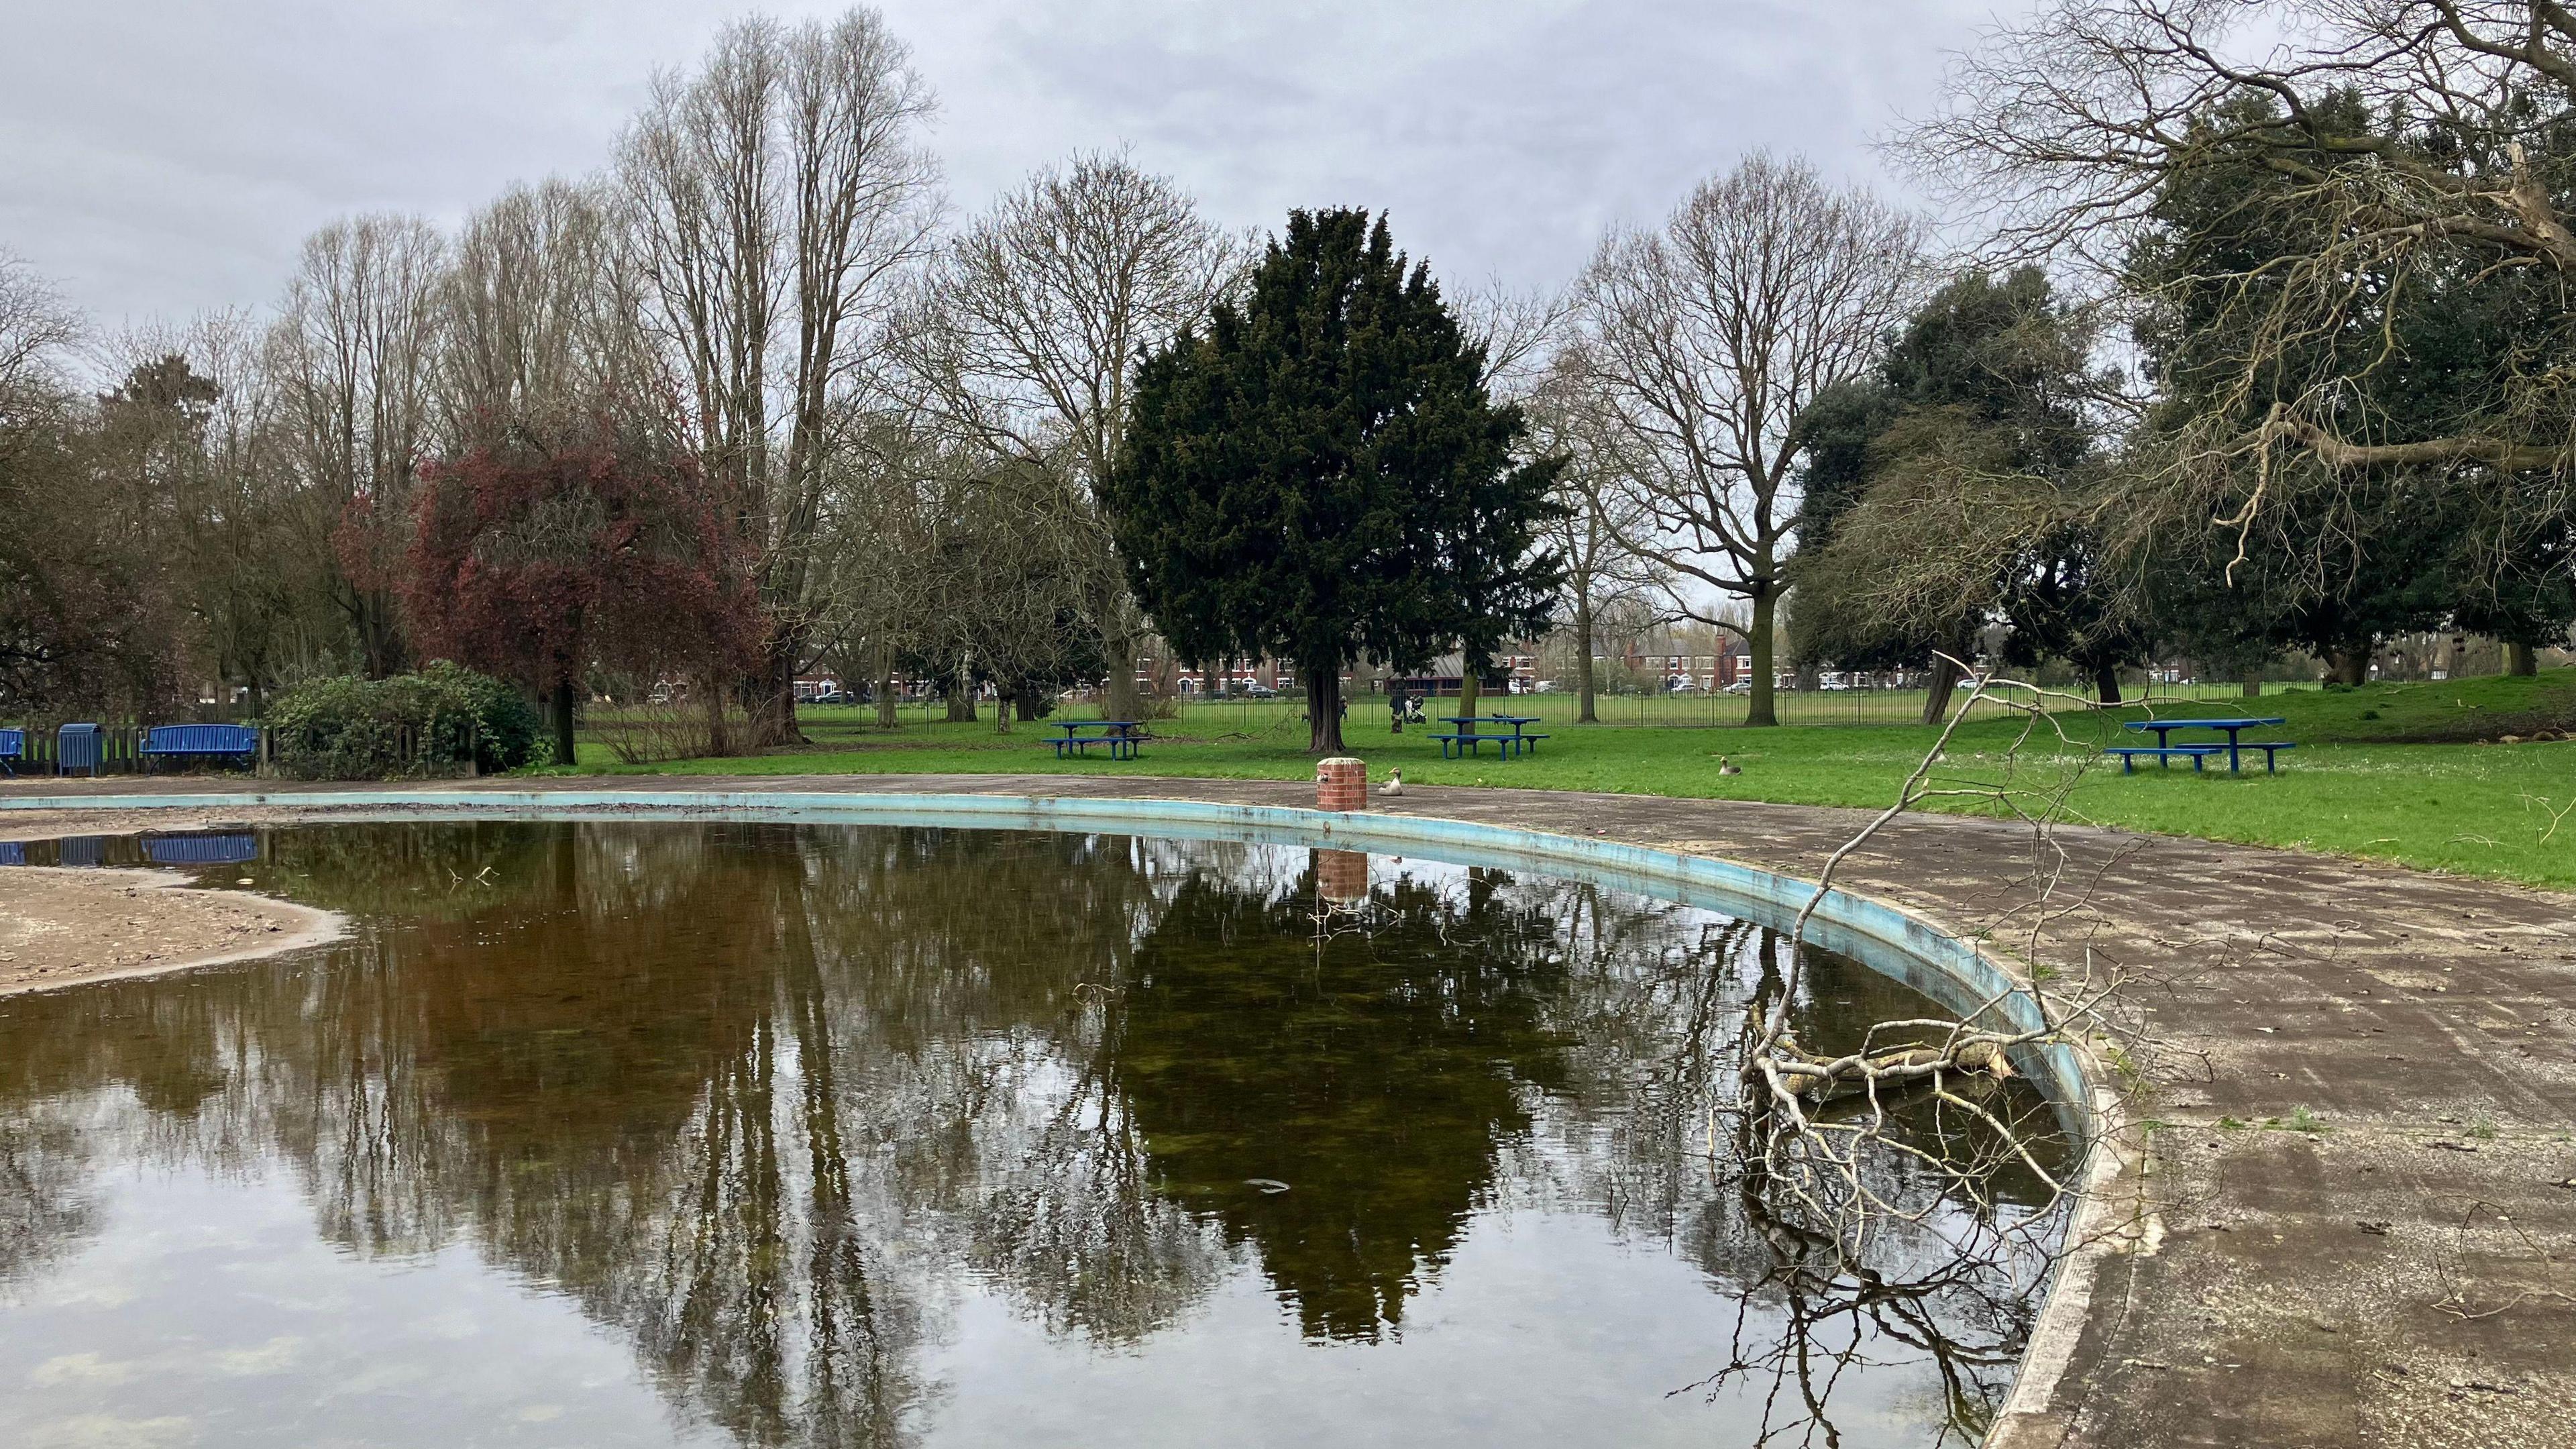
[(46, 1206), (1375, 1073), (755, 1094), (1961, 1317), (1650, 1004)]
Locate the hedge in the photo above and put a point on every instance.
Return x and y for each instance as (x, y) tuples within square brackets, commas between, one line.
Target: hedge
[(443, 720)]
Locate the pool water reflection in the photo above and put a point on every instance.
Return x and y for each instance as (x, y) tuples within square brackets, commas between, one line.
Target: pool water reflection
[(620, 1133)]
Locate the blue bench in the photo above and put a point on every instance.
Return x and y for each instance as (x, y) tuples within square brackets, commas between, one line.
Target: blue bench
[(237, 847), (1473, 744), (1122, 736), (2164, 755), (198, 741), (2268, 747), (13, 746)]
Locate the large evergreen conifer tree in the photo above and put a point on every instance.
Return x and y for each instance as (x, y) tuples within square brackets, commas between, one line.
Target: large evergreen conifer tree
[(1322, 477)]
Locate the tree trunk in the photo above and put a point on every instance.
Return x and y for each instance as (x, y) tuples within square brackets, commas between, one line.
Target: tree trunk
[(2349, 666), (885, 684), (2106, 683), (563, 722), (719, 738), (2253, 684), (769, 696), (1583, 661), (1118, 696), (380, 641), (961, 695), (2521, 659), (1323, 709), (1944, 685), (1469, 685), (1766, 612)]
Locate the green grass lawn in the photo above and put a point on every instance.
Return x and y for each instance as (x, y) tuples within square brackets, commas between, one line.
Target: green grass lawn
[(2382, 772)]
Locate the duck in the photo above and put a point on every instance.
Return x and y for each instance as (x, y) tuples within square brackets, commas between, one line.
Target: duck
[(1726, 766), (1394, 783)]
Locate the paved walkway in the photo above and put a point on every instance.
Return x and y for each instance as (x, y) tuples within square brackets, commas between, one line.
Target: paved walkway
[(2406, 1276)]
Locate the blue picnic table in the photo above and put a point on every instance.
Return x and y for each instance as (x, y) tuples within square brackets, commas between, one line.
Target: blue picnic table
[(1466, 741), (2166, 750), (1122, 736)]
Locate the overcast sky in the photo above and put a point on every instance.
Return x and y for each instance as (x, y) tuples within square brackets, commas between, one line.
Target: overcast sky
[(159, 156)]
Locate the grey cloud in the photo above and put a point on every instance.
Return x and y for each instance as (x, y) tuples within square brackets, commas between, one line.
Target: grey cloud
[(158, 156)]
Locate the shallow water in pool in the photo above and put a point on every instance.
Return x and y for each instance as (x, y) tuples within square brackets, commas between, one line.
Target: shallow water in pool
[(728, 1134)]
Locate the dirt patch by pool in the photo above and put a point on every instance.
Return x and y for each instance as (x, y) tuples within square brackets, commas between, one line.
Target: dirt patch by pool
[(64, 927)]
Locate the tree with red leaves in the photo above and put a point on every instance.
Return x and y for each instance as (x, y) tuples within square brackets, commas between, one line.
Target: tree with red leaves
[(543, 560)]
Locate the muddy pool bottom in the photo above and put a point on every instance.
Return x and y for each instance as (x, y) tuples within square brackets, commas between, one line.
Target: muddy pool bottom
[(630, 1133)]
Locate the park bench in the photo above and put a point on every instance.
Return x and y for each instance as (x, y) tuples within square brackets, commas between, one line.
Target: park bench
[(2164, 755), (198, 741), (13, 747), (230, 847), (1122, 736)]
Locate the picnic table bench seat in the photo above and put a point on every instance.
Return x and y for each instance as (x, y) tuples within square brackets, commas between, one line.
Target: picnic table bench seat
[(2268, 747), (2163, 755)]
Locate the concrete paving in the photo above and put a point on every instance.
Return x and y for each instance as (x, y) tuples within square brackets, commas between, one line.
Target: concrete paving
[(2404, 1274)]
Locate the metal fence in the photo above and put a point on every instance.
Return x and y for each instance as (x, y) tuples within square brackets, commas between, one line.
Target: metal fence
[(1657, 709)]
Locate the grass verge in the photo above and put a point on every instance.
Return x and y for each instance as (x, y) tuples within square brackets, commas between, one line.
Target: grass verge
[(2385, 772)]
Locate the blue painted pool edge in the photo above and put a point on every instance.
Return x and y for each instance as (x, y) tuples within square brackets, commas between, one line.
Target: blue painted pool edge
[(1954, 971), (1961, 977)]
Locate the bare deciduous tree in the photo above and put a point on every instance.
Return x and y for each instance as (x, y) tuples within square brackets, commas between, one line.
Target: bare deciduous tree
[(1029, 333), (353, 358), (2409, 145), (1707, 337), (541, 323), (1604, 507), (776, 197), (236, 507), (34, 323)]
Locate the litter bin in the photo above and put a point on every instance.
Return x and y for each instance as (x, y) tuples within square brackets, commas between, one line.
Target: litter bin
[(77, 747)]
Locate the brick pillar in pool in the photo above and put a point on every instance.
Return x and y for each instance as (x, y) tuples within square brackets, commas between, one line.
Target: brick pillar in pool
[(1341, 783)]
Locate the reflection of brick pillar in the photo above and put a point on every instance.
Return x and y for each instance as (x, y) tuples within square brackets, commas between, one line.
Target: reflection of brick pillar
[(1341, 783), (1341, 876)]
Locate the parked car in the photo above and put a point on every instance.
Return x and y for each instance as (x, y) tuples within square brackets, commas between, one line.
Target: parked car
[(1741, 686), (1255, 690)]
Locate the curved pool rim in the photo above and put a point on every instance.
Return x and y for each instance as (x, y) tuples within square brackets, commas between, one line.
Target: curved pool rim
[(1945, 966)]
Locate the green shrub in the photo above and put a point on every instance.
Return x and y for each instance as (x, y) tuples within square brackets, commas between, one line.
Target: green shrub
[(444, 720)]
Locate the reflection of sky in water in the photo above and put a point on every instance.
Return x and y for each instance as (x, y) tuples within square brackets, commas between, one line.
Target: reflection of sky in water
[(677, 1134), (207, 1313)]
